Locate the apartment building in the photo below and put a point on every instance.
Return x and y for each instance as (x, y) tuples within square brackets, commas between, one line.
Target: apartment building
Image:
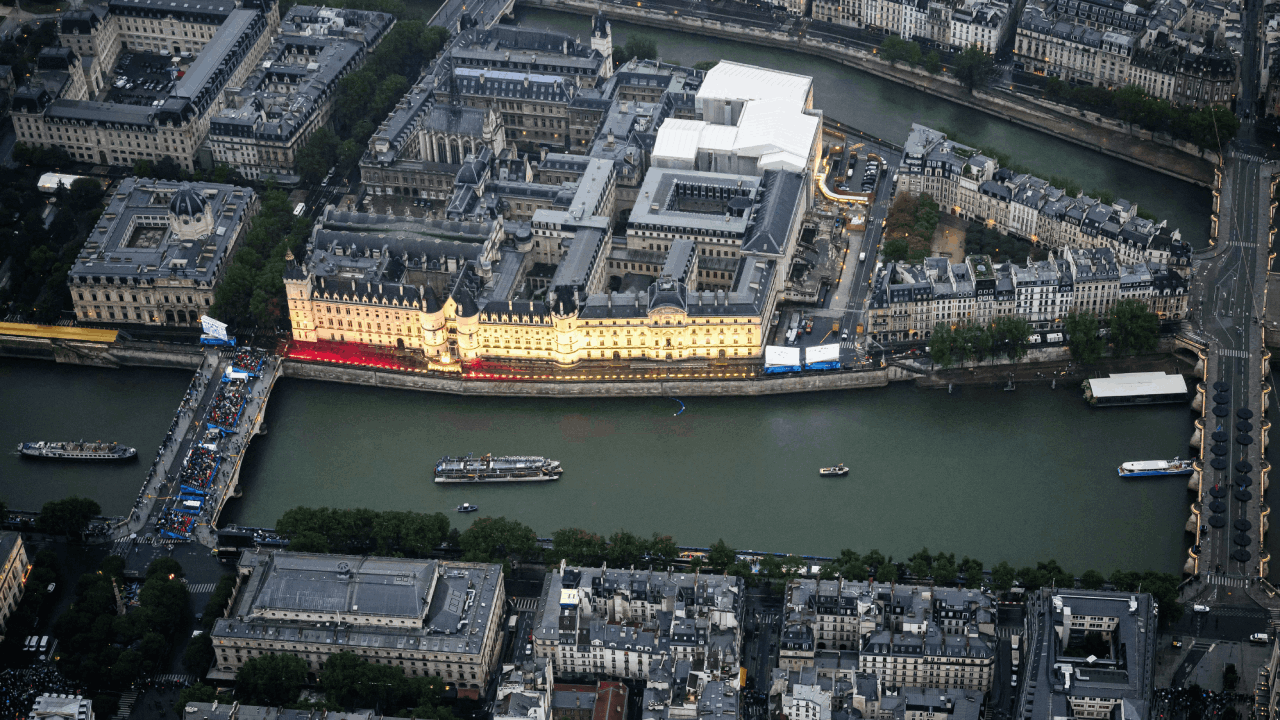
[(1118, 681), (627, 623), (13, 576), (970, 185), (291, 94)]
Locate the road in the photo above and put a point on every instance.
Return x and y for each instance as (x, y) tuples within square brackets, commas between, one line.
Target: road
[(1228, 302)]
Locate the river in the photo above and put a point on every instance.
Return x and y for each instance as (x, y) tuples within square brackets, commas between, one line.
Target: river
[(886, 109), (1022, 476)]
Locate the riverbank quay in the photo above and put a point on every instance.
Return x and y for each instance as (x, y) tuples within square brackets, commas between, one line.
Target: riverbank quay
[(1164, 155), (39, 342)]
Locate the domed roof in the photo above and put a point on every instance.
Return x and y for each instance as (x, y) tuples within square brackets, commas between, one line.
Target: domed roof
[(187, 201)]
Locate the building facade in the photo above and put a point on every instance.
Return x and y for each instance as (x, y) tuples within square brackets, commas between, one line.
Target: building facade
[(158, 252), (423, 617), (13, 576)]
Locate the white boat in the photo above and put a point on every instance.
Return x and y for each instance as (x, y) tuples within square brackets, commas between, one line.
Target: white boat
[(834, 471), (467, 507), (1155, 468)]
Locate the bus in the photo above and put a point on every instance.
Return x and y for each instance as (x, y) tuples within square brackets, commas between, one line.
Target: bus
[(299, 209)]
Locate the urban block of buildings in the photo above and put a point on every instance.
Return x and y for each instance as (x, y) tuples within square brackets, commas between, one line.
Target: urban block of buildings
[(1100, 253), (70, 102), (950, 24), (629, 623), (13, 576), (1183, 51), (423, 617), (158, 251), (291, 94), (537, 261), (1066, 676)]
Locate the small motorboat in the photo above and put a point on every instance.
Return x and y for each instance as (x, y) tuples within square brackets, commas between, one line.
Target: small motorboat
[(836, 471), (468, 507)]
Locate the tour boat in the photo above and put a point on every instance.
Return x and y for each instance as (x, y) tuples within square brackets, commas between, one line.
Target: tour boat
[(1155, 468), (492, 469), (837, 471), (467, 507), (77, 450)]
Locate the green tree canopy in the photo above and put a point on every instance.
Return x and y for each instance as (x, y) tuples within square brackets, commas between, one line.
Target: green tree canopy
[(497, 539), (974, 67), (69, 516), (721, 556), (273, 680), (1082, 337), (1134, 328)]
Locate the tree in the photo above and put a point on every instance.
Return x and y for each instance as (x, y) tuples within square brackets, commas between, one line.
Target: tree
[(1082, 337), (196, 693), (1003, 575), (933, 62), (625, 549), (166, 566), (69, 516), (662, 550), (974, 67), (721, 555), (705, 65), (199, 655), (972, 570), (941, 345), (497, 539), (165, 603), (576, 547), (273, 680), (1134, 328), (637, 47), (1092, 580), (895, 249)]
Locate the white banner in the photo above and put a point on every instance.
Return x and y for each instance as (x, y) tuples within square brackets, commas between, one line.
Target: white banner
[(213, 327), (778, 355), (822, 353)]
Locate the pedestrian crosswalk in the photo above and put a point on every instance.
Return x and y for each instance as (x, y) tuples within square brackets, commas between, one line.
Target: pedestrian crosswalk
[(525, 604), (1241, 244), (1247, 156), (849, 345), (1226, 580), (126, 705), (201, 587), (1234, 353), (177, 678)]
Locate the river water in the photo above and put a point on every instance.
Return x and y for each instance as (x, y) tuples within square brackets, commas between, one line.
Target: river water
[(887, 110), (1021, 476)]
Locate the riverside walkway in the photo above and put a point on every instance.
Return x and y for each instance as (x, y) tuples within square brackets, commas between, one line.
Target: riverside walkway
[(198, 467)]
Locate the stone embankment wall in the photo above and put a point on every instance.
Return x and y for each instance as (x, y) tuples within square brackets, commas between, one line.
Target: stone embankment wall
[(656, 388), (125, 353), (1160, 153)]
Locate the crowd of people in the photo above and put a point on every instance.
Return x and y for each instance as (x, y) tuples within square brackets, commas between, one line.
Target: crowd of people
[(19, 688), (200, 468), (175, 525), (228, 405), (249, 360)]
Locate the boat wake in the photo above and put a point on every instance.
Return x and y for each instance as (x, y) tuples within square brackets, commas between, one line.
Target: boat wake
[(677, 413)]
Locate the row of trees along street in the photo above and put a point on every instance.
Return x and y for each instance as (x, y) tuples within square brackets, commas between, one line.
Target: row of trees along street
[(1131, 328), (346, 681), (502, 540), (1208, 128)]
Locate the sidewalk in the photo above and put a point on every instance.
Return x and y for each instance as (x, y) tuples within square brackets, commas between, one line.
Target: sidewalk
[(163, 466)]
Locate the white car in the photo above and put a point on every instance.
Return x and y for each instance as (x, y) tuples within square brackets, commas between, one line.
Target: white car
[(1200, 608)]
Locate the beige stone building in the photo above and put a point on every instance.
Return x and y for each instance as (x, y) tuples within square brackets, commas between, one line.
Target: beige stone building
[(423, 617), (227, 40), (13, 576), (159, 251)]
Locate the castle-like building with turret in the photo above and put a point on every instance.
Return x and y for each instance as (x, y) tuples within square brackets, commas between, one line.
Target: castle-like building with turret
[(650, 212)]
